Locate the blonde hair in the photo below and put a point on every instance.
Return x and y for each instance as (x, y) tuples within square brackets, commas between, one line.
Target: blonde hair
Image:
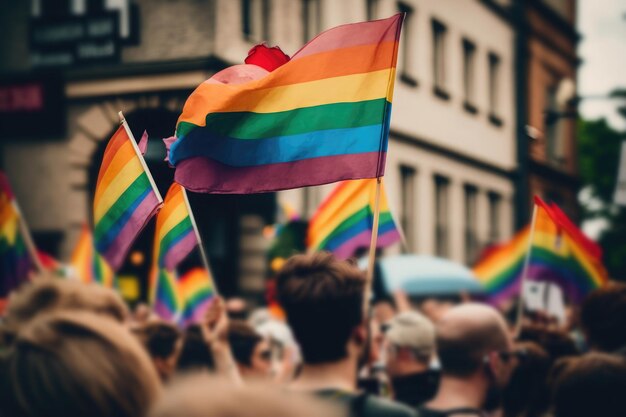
[(201, 395), (76, 364), (45, 295)]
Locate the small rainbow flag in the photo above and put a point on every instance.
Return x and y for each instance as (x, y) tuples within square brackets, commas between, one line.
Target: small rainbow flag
[(15, 259), (560, 253), (174, 235), (343, 222), (500, 269), (168, 303), (125, 198), (319, 118), (196, 291), (88, 265)]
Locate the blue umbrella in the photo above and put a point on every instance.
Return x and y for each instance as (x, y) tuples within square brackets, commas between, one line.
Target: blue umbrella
[(422, 275)]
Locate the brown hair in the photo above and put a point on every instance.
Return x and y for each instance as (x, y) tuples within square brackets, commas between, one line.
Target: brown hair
[(202, 396), (592, 385), (159, 338), (45, 295), (323, 301), (527, 393), (76, 364), (603, 317), (242, 339)]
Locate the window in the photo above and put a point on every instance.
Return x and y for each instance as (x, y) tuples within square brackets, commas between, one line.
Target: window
[(469, 70), (471, 213), (311, 199), (441, 216), (407, 216), (494, 89), (372, 9), (494, 217), (312, 16), (553, 128), (439, 60), (254, 19), (407, 46)]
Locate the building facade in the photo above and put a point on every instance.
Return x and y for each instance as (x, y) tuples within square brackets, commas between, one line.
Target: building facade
[(451, 159), (551, 65)]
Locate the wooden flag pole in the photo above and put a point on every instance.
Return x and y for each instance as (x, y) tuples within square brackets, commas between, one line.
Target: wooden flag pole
[(520, 306), (205, 259), (28, 239), (143, 162), (372, 253)]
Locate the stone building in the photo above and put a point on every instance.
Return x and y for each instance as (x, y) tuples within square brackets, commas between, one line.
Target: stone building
[(452, 152)]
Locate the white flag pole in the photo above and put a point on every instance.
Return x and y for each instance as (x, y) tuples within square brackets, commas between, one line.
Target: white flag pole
[(372, 253), (28, 239), (205, 259), (143, 162)]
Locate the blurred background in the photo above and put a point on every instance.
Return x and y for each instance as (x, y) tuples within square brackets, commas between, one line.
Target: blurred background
[(495, 101)]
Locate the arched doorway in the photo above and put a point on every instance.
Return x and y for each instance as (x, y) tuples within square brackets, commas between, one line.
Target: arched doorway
[(221, 219)]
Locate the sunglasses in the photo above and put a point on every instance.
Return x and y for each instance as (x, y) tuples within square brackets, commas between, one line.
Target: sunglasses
[(265, 355)]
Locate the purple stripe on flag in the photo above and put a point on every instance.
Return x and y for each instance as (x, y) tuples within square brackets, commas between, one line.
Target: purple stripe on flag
[(197, 314), (180, 250), (116, 253), (363, 240), (208, 176)]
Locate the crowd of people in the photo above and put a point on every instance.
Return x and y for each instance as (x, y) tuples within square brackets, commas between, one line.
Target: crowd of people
[(71, 349)]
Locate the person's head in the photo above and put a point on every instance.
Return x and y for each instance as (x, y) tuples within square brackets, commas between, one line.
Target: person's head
[(164, 342), (410, 344), (203, 396), (251, 351), (64, 363), (45, 295), (527, 393), (195, 356), (603, 318), (435, 308), (474, 345), (591, 385), (323, 301), (237, 308)]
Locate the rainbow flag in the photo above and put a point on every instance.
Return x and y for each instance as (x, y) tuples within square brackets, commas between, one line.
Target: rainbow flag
[(500, 269), (168, 303), (344, 221), (319, 118), (560, 253), (125, 198), (174, 235), (15, 261), (196, 291), (88, 265)]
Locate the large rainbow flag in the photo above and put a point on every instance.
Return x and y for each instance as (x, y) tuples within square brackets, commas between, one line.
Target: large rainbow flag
[(15, 261), (196, 291), (125, 198), (88, 265), (319, 118), (344, 221), (174, 236), (559, 253)]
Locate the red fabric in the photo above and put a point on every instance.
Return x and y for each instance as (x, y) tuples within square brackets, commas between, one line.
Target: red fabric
[(265, 57)]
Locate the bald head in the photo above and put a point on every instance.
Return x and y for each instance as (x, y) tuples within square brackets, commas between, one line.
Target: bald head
[(466, 333)]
